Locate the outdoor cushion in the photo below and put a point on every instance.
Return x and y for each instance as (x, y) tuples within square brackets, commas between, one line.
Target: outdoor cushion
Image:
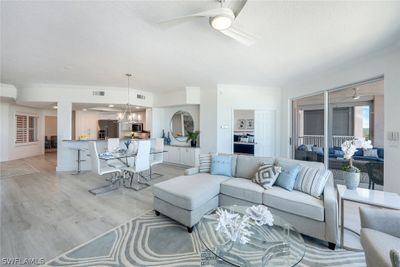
[(243, 188), (294, 202), (365, 158), (381, 153), (359, 152), (378, 254), (189, 192), (247, 166)]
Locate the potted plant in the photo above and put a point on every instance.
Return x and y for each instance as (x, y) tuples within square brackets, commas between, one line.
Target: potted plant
[(352, 173), (192, 137)]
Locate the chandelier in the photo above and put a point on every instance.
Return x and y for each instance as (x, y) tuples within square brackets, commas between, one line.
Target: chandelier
[(127, 116)]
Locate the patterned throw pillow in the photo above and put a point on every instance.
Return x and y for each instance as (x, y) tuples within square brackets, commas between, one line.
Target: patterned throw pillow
[(205, 163), (266, 175), (311, 181)]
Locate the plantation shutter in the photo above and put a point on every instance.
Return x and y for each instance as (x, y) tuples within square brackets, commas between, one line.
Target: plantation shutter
[(22, 129)]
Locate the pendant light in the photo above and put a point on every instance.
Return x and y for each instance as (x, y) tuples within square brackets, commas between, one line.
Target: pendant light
[(127, 116)]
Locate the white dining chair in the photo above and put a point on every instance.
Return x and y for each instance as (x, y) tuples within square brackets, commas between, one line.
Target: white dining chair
[(96, 168), (141, 164), (113, 146), (158, 157)]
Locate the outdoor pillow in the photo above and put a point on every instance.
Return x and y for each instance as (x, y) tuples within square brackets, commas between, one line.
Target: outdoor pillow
[(266, 175), (311, 181), (359, 152), (339, 153), (288, 175), (302, 148), (371, 153), (318, 149), (221, 165)]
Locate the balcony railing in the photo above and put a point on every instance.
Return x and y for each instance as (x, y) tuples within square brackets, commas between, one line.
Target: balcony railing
[(318, 140)]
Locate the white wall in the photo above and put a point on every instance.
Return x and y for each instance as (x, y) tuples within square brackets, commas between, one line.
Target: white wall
[(8, 91), (82, 94), (242, 114), (17, 151), (379, 121), (208, 120), (4, 130), (161, 120), (50, 126), (189, 95), (231, 97), (385, 62)]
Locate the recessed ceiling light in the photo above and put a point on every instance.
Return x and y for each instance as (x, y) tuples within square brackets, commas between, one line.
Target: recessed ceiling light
[(111, 106), (85, 109), (55, 107)]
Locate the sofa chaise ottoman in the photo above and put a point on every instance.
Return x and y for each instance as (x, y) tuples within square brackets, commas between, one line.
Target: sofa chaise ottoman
[(187, 198)]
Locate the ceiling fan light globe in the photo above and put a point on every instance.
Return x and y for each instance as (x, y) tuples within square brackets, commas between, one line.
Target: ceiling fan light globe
[(221, 22)]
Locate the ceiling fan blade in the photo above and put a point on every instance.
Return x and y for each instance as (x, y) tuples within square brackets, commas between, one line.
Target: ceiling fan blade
[(236, 6), (240, 36), (206, 13)]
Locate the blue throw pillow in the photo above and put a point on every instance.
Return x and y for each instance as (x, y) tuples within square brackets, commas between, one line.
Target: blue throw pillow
[(359, 152), (221, 165), (288, 175), (339, 153)]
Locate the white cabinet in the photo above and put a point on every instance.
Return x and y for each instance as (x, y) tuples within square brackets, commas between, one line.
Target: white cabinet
[(182, 155)]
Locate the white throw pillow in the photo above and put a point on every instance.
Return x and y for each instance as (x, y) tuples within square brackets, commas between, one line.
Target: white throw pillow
[(311, 181), (205, 163)]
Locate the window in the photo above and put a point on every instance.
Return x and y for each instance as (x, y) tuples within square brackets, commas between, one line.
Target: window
[(26, 129)]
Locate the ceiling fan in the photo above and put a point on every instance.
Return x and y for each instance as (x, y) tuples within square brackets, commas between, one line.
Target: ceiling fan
[(222, 19)]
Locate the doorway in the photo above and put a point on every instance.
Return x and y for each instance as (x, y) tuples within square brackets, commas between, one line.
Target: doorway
[(50, 135), (321, 123), (254, 132)]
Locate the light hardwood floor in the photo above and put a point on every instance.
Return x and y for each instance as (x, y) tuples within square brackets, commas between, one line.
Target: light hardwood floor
[(45, 213)]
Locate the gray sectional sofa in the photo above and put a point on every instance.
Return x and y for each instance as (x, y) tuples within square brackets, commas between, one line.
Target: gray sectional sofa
[(187, 198)]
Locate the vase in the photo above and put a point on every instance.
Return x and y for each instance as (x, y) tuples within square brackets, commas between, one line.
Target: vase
[(168, 139), (352, 180), (193, 143)]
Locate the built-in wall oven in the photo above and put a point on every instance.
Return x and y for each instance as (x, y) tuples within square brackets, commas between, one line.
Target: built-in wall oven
[(137, 127)]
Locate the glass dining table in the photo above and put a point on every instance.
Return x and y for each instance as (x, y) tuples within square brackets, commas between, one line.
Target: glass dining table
[(121, 179)]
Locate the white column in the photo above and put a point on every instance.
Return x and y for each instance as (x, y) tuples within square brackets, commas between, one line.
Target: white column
[(65, 156), (5, 135)]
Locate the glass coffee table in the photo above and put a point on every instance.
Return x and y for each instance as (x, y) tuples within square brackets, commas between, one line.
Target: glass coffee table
[(277, 245)]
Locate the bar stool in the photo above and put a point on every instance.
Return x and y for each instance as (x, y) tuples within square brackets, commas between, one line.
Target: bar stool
[(79, 160)]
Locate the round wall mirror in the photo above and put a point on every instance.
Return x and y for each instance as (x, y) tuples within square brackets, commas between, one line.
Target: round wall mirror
[(181, 123)]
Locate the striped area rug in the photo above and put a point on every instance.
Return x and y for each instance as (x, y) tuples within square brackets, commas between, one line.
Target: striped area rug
[(151, 240)]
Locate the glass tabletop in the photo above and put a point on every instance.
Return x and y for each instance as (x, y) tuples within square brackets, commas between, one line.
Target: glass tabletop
[(124, 154), (277, 245)]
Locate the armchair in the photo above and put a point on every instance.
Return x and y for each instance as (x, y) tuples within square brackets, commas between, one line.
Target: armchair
[(380, 237)]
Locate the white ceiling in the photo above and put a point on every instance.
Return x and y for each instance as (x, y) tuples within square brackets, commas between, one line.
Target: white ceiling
[(96, 43)]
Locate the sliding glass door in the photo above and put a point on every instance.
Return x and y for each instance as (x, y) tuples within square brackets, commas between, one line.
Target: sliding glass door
[(308, 128), (320, 127)]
